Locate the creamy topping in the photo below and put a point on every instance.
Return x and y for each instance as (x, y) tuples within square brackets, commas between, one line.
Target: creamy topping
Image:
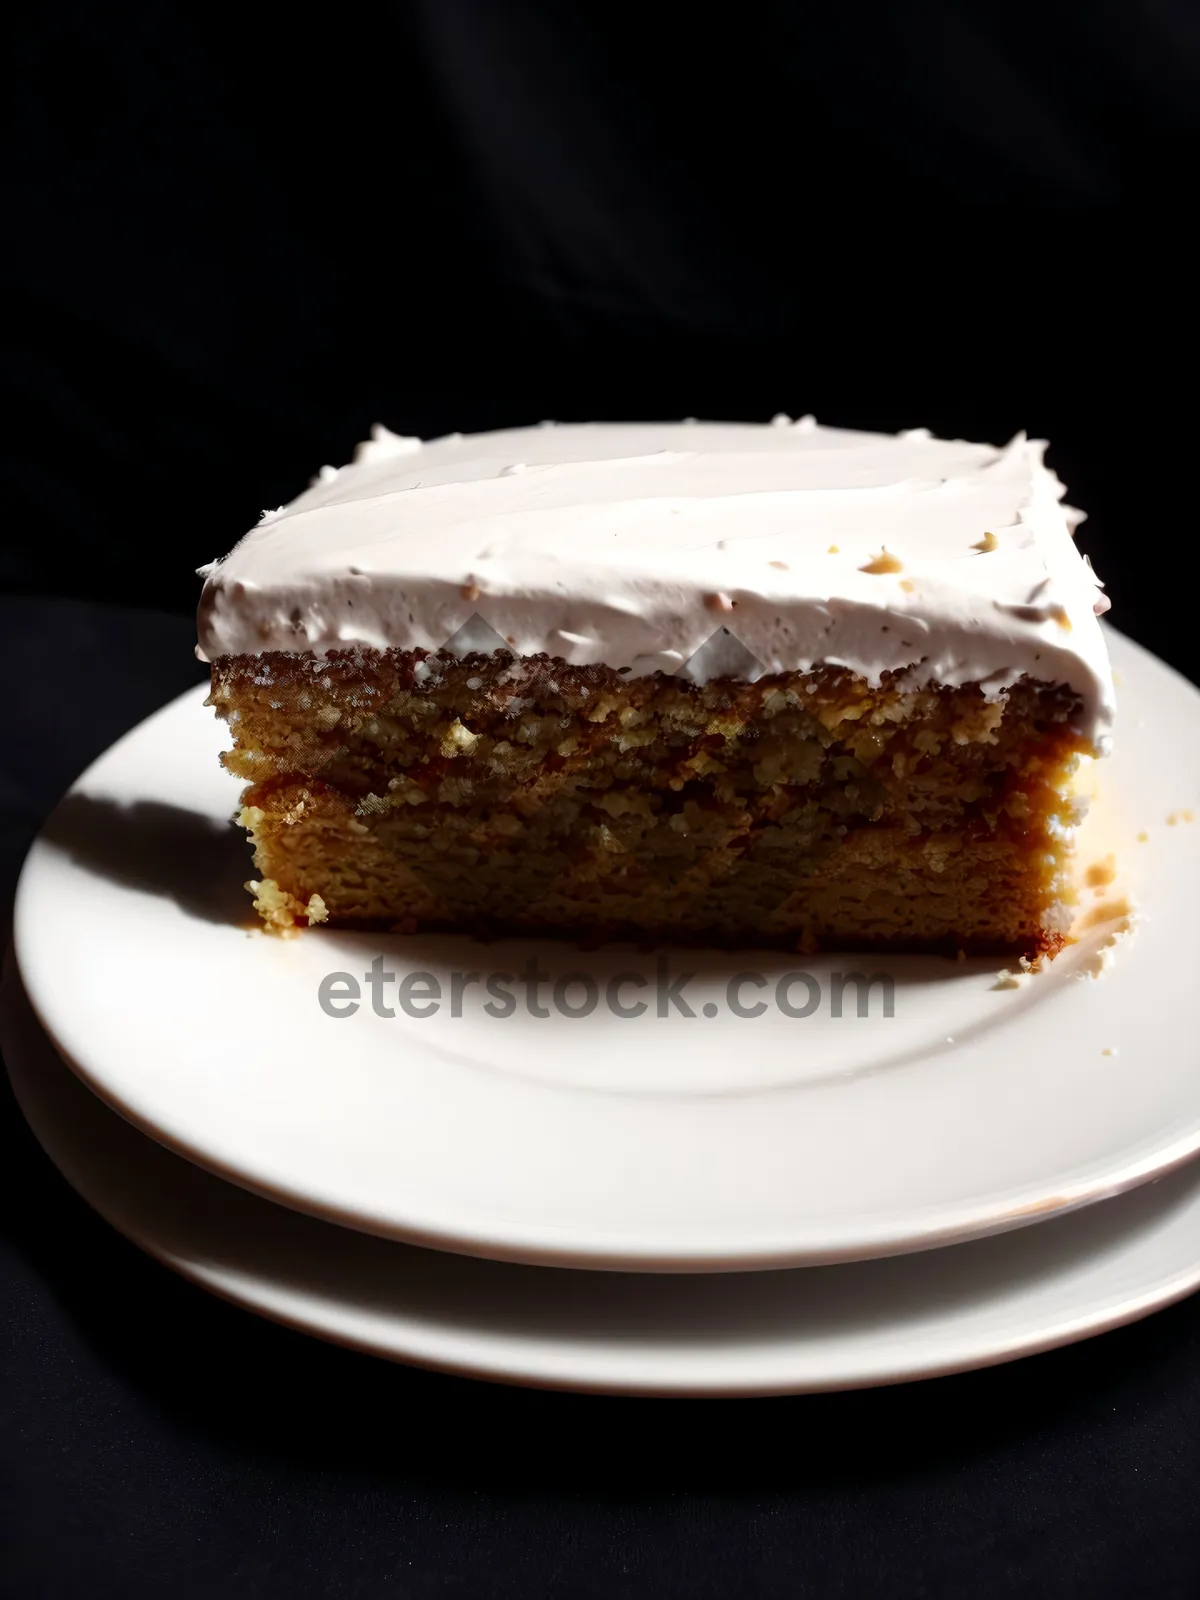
[(702, 549)]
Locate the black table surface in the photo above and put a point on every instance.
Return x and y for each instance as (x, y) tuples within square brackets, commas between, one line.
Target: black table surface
[(155, 1441)]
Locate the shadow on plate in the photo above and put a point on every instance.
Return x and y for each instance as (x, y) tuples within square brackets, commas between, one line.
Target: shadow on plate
[(159, 849)]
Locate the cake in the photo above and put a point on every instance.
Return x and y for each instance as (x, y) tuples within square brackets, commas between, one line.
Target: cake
[(732, 684)]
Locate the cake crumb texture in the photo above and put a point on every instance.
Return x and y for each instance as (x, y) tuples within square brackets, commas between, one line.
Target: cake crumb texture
[(807, 810)]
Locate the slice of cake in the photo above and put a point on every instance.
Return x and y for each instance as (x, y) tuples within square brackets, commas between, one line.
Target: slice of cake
[(774, 685)]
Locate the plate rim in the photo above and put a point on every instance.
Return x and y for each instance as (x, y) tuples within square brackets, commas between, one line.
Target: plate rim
[(20, 1050)]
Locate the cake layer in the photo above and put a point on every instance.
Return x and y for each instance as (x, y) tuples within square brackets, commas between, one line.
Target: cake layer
[(697, 550), (805, 810)]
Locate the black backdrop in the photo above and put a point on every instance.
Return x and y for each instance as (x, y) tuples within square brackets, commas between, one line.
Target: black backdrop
[(239, 236)]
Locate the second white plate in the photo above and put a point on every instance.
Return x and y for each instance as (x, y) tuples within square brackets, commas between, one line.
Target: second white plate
[(815, 1328), (707, 1142)]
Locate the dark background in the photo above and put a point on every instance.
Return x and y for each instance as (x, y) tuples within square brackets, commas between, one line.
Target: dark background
[(237, 237), (240, 238)]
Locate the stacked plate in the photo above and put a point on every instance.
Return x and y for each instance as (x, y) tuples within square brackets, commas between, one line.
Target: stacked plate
[(657, 1172)]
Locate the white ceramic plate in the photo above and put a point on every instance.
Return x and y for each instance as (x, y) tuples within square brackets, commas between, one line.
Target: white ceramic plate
[(812, 1328), (710, 1142)]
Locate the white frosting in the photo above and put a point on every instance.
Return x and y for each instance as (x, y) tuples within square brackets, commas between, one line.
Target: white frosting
[(639, 545)]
